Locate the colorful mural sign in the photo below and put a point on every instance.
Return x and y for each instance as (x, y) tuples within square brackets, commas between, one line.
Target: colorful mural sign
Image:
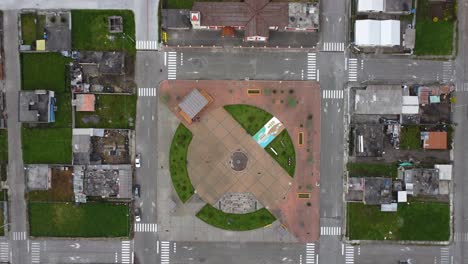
[(268, 132)]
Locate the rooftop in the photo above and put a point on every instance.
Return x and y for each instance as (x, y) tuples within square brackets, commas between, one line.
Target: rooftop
[(424, 181), (37, 106), (108, 181), (176, 19), (377, 190), (108, 62), (434, 140), (38, 177), (193, 104), (85, 102), (379, 100)]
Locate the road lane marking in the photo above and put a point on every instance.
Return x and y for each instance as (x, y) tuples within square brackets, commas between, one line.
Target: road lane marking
[(352, 70), (19, 235), (35, 252), (310, 253), (146, 228), (311, 66), (445, 255), (125, 256), (165, 252), (4, 252), (147, 92), (332, 94), (146, 45), (333, 46), (349, 255)]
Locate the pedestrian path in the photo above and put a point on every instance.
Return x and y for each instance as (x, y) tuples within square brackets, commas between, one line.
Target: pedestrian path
[(171, 65), (146, 45), (147, 91), (349, 255), (447, 71), (460, 237), (330, 231), (444, 255), (332, 94), (125, 254), (4, 252), (310, 253), (352, 70), (150, 228), (35, 252), (165, 252), (311, 66), (19, 235), (333, 46), (461, 87)]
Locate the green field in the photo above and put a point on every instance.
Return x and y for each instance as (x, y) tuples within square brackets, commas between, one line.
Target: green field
[(32, 27), (3, 146), (372, 170), (251, 118), (417, 221), (410, 137), (47, 145), (178, 163), (235, 222), (433, 38), (85, 220), (90, 31), (283, 145), (112, 111)]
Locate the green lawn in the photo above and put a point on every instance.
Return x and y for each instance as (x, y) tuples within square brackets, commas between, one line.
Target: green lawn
[(85, 220), (28, 28), (423, 221), (372, 170), (90, 31), (178, 163), (2, 222), (112, 111), (251, 118), (3, 146), (283, 145), (47, 145), (433, 38), (410, 137), (235, 222)]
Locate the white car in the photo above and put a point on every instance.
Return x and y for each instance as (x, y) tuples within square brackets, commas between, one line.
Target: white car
[(138, 161)]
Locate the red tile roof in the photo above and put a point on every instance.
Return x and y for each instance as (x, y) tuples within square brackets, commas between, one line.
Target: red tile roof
[(436, 140)]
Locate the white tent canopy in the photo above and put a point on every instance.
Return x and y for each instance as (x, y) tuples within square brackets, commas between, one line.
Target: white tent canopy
[(371, 6), (377, 32)]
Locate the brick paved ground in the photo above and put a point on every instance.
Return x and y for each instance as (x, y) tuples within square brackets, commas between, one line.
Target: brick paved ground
[(299, 216)]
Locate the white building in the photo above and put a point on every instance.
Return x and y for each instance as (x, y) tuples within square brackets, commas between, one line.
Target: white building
[(377, 33)]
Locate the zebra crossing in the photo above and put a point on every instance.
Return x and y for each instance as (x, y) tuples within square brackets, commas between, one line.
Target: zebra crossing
[(352, 70), (125, 255), (444, 255), (146, 228), (172, 65), (330, 231), (35, 252), (447, 71), (4, 252), (310, 253), (461, 87), (349, 254), (165, 252), (311, 66), (146, 45), (147, 91), (332, 94), (333, 46), (460, 237), (19, 235)]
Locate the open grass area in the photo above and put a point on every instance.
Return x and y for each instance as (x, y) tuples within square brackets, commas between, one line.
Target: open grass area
[(372, 170), (60, 191), (235, 222), (2, 221), (410, 137), (112, 111), (3, 146), (283, 145), (85, 220), (47, 145), (32, 27), (433, 38), (178, 163), (90, 31), (251, 118), (422, 221)]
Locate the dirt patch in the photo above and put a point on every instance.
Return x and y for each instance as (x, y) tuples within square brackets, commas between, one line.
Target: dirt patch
[(91, 119), (62, 187), (113, 148)]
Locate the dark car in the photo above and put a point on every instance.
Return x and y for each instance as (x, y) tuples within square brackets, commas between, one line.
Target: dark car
[(137, 190)]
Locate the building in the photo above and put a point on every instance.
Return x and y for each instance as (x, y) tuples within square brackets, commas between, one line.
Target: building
[(84, 102), (379, 100), (384, 6), (193, 104), (255, 17), (434, 140), (37, 106), (373, 33), (107, 181)]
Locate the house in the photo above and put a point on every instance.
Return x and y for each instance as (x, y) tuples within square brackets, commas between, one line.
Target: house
[(193, 104), (379, 100), (372, 33), (84, 102), (384, 6), (37, 106), (434, 140)]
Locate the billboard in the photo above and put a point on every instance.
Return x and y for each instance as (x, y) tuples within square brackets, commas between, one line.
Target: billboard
[(268, 132)]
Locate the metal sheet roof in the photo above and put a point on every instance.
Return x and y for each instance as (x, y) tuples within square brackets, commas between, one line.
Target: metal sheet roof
[(371, 5), (193, 103)]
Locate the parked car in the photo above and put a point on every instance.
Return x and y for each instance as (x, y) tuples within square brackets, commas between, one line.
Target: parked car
[(137, 214), (137, 190), (138, 161)]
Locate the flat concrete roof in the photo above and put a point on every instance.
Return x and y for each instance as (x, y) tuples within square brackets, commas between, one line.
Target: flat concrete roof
[(379, 100)]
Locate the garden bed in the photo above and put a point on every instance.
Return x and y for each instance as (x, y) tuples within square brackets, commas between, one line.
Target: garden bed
[(178, 163)]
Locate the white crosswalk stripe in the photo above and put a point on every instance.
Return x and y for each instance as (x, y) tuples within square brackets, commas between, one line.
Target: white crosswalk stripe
[(310, 253), (146, 45), (172, 65), (19, 235), (460, 237), (125, 255), (311, 66), (330, 231), (352, 70), (165, 252), (4, 252), (447, 71), (333, 46), (147, 91), (461, 87), (332, 94), (139, 227), (35, 252), (349, 255), (444, 255)]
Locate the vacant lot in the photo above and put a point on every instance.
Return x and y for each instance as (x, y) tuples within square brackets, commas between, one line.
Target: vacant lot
[(178, 163), (32, 27), (372, 170), (286, 157), (410, 137), (85, 220), (187, 4), (47, 145), (62, 188), (423, 221), (112, 111), (235, 222), (251, 118), (90, 31)]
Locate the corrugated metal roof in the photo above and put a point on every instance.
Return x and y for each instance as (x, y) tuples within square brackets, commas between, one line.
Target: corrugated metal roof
[(193, 103)]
